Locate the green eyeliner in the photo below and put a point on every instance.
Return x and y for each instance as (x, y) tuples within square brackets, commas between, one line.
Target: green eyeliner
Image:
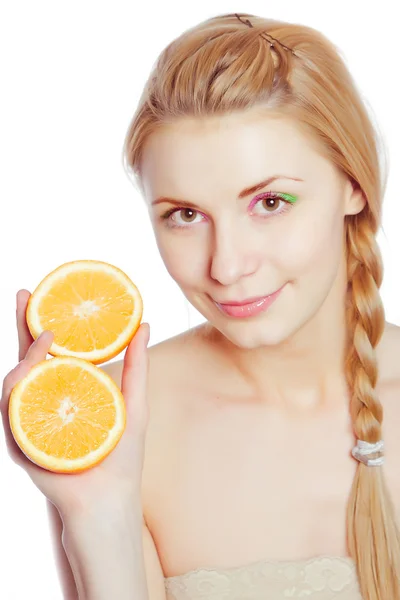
[(288, 197)]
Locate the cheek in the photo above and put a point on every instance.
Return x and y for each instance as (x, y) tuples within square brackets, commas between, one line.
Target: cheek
[(312, 246), (182, 261)]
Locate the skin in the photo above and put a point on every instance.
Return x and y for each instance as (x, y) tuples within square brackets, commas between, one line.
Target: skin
[(255, 410), (291, 354)]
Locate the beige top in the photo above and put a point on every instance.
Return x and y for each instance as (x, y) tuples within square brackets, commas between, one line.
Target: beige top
[(320, 578)]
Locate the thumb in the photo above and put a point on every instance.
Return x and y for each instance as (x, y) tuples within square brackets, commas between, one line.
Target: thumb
[(134, 381)]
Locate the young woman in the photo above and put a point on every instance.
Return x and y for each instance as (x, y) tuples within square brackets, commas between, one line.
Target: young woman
[(260, 472)]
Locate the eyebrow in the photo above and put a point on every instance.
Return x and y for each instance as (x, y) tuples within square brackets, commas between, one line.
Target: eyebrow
[(246, 192)]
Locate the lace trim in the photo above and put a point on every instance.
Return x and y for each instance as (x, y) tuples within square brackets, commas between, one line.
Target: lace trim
[(319, 578)]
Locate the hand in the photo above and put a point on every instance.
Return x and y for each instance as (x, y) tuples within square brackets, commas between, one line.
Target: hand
[(119, 474)]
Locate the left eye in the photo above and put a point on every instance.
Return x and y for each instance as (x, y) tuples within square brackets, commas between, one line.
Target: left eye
[(270, 202)]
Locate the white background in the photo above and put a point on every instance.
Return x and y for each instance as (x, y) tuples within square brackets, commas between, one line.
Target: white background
[(71, 75)]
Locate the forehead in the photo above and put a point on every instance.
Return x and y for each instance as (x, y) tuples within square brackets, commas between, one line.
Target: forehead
[(197, 153)]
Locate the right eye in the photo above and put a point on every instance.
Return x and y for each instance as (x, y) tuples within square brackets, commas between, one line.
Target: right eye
[(167, 216)]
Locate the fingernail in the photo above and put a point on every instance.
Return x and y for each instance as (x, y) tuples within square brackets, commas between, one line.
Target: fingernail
[(42, 334)]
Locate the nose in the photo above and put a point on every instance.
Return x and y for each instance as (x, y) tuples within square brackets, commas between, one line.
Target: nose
[(232, 256)]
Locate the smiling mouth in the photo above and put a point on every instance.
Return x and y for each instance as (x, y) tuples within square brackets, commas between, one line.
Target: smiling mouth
[(249, 309), (247, 301)]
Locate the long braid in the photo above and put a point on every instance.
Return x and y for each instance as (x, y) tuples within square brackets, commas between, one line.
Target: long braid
[(374, 540)]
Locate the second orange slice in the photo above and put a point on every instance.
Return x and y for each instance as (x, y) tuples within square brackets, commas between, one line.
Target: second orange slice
[(67, 415)]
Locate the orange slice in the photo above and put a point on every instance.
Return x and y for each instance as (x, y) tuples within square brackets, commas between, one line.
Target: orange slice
[(66, 415), (92, 308)]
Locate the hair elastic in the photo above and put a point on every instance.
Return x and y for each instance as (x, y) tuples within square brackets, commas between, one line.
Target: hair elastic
[(264, 33), (364, 449)]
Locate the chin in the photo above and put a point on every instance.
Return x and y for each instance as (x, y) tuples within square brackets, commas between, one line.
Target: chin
[(252, 334)]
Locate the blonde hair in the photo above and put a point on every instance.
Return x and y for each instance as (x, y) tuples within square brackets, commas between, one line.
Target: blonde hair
[(221, 66)]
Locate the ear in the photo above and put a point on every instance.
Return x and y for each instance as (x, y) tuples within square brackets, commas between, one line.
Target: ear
[(354, 198)]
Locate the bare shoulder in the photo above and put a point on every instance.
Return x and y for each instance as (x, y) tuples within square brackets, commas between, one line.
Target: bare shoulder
[(388, 389), (388, 385), (388, 355)]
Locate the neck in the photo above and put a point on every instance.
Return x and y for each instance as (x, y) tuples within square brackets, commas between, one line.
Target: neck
[(306, 371)]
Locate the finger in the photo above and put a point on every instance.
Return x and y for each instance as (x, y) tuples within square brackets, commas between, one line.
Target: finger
[(25, 338), (134, 380), (39, 349), (36, 353)]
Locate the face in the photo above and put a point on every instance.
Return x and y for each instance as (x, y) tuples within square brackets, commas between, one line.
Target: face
[(225, 244)]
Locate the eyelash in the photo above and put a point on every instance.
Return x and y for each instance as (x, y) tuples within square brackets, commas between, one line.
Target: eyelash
[(277, 195)]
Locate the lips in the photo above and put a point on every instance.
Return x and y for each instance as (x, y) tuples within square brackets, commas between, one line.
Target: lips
[(249, 309), (244, 302)]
